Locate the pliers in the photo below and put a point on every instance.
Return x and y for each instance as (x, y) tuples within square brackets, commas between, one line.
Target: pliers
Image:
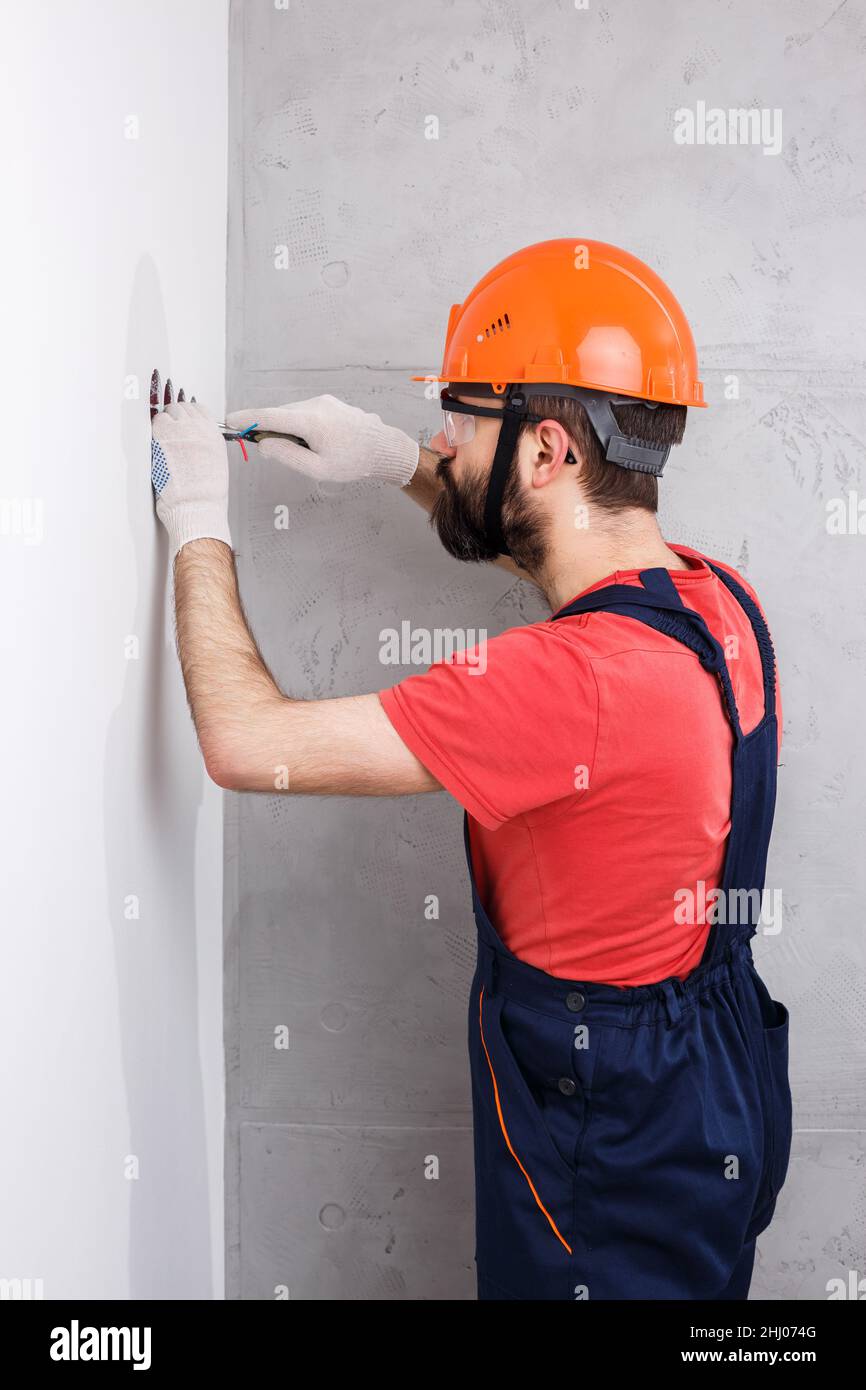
[(252, 432)]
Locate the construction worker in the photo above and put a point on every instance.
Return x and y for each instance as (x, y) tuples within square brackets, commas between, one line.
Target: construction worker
[(616, 764)]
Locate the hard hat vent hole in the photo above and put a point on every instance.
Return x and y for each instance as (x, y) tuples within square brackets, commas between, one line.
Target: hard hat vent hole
[(498, 325)]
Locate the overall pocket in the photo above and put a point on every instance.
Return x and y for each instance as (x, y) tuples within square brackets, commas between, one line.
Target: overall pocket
[(521, 1039), (775, 1028), (520, 1172), (555, 1071), (776, 1043)]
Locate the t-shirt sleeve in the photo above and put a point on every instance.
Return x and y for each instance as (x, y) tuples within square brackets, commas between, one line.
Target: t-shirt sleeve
[(508, 727)]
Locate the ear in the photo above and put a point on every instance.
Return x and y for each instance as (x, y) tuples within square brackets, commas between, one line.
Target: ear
[(551, 451)]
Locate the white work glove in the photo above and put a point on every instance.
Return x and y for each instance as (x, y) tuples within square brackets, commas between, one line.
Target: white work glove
[(189, 470), (345, 443)]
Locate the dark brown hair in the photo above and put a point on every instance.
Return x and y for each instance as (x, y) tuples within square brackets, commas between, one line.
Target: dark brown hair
[(605, 484)]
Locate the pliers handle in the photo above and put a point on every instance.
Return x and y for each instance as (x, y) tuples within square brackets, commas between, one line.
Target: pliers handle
[(256, 435)]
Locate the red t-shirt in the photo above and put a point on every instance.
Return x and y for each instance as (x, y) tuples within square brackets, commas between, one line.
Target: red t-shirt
[(593, 755)]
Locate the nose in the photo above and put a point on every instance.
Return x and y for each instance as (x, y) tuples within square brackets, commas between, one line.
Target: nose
[(439, 444)]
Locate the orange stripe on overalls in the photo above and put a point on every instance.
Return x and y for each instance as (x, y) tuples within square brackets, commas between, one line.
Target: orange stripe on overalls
[(542, 1207)]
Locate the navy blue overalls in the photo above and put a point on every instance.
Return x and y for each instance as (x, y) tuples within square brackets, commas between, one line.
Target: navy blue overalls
[(630, 1143)]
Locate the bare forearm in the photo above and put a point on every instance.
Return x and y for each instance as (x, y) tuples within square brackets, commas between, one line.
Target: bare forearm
[(253, 737), (425, 486), (229, 688)]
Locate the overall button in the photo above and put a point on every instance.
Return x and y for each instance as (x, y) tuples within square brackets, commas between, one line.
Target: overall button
[(567, 1086), (575, 1001)]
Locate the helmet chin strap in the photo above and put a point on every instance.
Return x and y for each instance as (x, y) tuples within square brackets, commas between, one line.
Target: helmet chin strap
[(513, 410), (618, 449)]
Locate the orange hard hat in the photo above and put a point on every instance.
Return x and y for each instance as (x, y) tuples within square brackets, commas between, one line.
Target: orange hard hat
[(576, 312), (572, 318)]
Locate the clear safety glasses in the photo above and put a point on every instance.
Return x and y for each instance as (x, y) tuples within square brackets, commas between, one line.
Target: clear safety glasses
[(459, 429), (458, 418)]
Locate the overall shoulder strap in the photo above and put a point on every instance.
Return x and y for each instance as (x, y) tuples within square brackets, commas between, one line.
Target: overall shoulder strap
[(761, 631)]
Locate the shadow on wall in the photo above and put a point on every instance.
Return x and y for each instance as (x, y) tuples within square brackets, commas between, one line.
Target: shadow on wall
[(153, 788)]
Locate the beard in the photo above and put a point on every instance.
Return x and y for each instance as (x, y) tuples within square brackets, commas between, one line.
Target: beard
[(457, 516)]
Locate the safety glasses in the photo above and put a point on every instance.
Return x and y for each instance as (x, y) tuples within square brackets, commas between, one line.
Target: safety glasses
[(458, 418)]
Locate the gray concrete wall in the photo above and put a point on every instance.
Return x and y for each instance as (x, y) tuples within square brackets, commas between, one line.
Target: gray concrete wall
[(552, 120)]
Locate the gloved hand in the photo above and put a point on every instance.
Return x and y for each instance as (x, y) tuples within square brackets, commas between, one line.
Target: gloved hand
[(345, 443), (189, 470)]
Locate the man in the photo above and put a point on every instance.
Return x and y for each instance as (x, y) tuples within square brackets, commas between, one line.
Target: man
[(616, 764)]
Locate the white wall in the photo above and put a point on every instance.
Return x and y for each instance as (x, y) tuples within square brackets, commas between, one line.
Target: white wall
[(112, 260)]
